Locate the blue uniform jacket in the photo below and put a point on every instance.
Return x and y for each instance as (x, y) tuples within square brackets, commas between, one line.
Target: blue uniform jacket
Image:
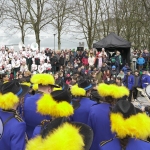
[(100, 123), (81, 114), (130, 83), (145, 79), (133, 144), (31, 117), (36, 131), (13, 137)]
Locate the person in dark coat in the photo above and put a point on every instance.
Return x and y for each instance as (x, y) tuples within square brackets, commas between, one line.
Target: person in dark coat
[(53, 63)]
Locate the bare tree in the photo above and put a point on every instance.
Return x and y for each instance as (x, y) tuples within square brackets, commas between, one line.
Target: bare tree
[(16, 16), (85, 14), (39, 17), (61, 9)]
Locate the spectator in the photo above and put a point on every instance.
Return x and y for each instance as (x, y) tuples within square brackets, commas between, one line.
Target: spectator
[(125, 68), (121, 75), (119, 81), (113, 71), (118, 60), (129, 82), (91, 60), (85, 60), (134, 59), (104, 67), (53, 63), (140, 62), (146, 56)]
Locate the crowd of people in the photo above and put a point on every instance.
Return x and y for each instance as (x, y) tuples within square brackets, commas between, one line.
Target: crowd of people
[(70, 66), (75, 100)]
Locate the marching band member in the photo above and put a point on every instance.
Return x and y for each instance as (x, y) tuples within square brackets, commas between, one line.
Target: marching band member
[(23, 66), (1, 69), (37, 57), (8, 67), (98, 118), (12, 133), (16, 65), (33, 67), (48, 67), (41, 67), (29, 58), (45, 83), (81, 92), (131, 127)]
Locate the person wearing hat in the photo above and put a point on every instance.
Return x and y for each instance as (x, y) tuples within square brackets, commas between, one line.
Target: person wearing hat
[(57, 104), (98, 118), (129, 82), (46, 83), (130, 126), (61, 134), (82, 92), (12, 127)]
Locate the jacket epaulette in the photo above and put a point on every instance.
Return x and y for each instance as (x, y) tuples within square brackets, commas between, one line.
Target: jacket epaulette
[(18, 118), (105, 142)]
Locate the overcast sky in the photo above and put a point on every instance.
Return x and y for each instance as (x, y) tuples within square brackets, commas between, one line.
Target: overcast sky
[(47, 39)]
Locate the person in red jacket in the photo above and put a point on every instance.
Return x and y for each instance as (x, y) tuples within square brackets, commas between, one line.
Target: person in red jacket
[(85, 60)]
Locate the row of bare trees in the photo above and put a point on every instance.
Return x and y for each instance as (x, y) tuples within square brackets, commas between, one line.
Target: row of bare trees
[(93, 19)]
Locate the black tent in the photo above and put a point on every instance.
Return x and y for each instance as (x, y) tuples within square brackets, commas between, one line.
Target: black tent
[(113, 42)]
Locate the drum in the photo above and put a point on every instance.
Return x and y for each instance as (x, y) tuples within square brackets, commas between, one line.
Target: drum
[(147, 90)]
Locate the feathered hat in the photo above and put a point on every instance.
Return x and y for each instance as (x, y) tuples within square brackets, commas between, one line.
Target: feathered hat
[(81, 88), (128, 121), (61, 84), (63, 135), (112, 90), (10, 94), (43, 79), (56, 104)]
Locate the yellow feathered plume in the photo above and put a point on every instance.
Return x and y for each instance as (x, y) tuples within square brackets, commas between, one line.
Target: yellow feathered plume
[(65, 137), (112, 90), (26, 83), (46, 105), (137, 126), (35, 144), (8, 101), (56, 89), (77, 91), (35, 87), (44, 79)]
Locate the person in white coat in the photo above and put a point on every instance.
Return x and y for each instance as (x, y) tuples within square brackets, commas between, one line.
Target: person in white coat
[(91, 60), (33, 67), (23, 66)]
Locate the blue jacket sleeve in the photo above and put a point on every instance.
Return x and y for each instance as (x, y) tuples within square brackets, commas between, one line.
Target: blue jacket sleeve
[(18, 136), (143, 60)]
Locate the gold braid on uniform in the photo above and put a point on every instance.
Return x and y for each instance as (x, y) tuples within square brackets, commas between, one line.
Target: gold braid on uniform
[(45, 121), (20, 120)]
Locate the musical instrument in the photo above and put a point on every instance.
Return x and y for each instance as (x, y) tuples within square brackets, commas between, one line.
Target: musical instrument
[(147, 90), (34, 46), (21, 45)]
